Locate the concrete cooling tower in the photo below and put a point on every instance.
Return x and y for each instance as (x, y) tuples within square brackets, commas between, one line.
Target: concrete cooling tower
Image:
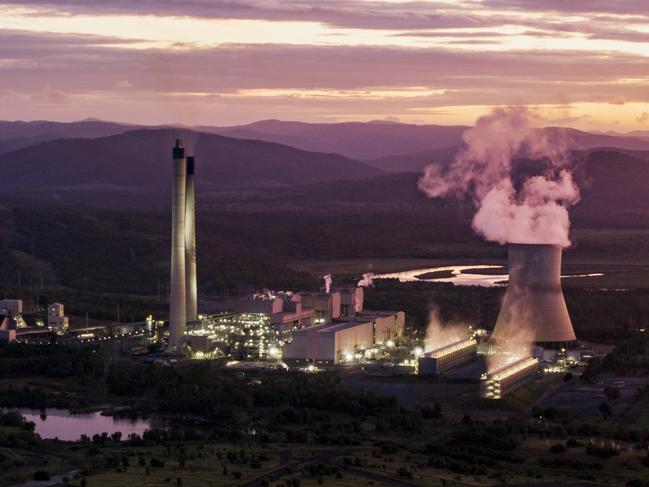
[(177, 285), (534, 303)]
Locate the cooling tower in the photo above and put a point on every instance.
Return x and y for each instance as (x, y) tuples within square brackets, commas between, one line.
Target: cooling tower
[(533, 307), (190, 243), (177, 298)]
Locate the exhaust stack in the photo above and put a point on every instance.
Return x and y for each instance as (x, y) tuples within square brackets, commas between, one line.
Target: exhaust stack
[(177, 288), (534, 298), (190, 243)]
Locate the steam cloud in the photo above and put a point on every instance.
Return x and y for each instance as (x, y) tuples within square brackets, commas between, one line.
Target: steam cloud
[(440, 334), (534, 211), (519, 342), (327, 282), (367, 280)]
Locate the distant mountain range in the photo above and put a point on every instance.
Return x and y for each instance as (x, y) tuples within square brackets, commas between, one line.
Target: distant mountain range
[(378, 140), (140, 159), (358, 140), (18, 134), (93, 155)]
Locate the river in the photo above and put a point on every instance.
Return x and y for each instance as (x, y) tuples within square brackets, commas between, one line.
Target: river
[(461, 275)]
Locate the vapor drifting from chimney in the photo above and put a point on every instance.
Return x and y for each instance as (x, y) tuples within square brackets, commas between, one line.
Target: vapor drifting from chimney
[(367, 280), (532, 212), (327, 283)]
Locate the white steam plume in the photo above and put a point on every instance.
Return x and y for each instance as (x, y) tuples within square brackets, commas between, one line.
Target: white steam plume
[(519, 342), (440, 334), (536, 211), (327, 282), (367, 280)]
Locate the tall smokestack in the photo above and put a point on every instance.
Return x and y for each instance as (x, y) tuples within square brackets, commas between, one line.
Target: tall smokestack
[(177, 304), (534, 300), (190, 243)]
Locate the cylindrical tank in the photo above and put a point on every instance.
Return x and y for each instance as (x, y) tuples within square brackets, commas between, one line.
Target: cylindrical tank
[(533, 305), (177, 299), (190, 243)]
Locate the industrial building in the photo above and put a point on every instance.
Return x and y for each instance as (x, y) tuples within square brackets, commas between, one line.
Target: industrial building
[(183, 288), (448, 357), (11, 307), (326, 306), (7, 328), (504, 380), (534, 298), (56, 319), (285, 309), (237, 335), (341, 340)]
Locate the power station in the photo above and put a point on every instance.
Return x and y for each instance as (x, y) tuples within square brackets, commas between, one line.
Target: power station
[(534, 298), (182, 287)]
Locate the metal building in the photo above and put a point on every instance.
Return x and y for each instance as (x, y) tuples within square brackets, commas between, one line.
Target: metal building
[(341, 340), (500, 382), (448, 357)]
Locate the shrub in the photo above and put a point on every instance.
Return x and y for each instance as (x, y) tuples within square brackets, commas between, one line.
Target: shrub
[(41, 475)]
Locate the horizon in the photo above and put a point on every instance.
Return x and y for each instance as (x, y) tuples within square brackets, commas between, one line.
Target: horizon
[(198, 127), (583, 66)]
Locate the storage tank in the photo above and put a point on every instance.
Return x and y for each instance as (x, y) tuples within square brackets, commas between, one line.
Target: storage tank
[(534, 298)]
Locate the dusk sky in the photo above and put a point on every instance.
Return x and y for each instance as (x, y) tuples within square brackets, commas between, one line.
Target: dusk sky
[(581, 63)]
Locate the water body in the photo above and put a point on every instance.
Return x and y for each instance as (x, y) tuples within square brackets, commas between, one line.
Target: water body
[(61, 424), (461, 275)]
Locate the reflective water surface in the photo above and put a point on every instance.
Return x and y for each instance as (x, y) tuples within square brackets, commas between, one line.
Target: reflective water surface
[(461, 275), (59, 423)]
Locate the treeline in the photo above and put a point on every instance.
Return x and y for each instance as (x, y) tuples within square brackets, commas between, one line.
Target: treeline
[(215, 393), (630, 357), (19, 360), (597, 315)]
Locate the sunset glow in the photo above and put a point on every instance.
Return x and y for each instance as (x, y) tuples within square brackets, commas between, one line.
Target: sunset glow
[(582, 65)]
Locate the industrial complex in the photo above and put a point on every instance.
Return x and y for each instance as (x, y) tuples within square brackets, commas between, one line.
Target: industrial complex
[(329, 328)]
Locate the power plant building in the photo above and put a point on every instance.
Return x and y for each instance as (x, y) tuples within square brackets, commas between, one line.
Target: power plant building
[(11, 307), (326, 306), (498, 383), (448, 357), (340, 340), (7, 328), (56, 319), (534, 298)]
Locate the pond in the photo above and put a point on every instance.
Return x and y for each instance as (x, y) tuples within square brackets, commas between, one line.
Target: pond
[(61, 424)]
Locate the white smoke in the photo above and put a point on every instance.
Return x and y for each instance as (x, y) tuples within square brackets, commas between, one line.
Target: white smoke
[(536, 212), (439, 334), (327, 282), (367, 280), (519, 342)]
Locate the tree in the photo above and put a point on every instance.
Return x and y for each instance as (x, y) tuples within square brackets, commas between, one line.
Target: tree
[(612, 392), (605, 409)]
